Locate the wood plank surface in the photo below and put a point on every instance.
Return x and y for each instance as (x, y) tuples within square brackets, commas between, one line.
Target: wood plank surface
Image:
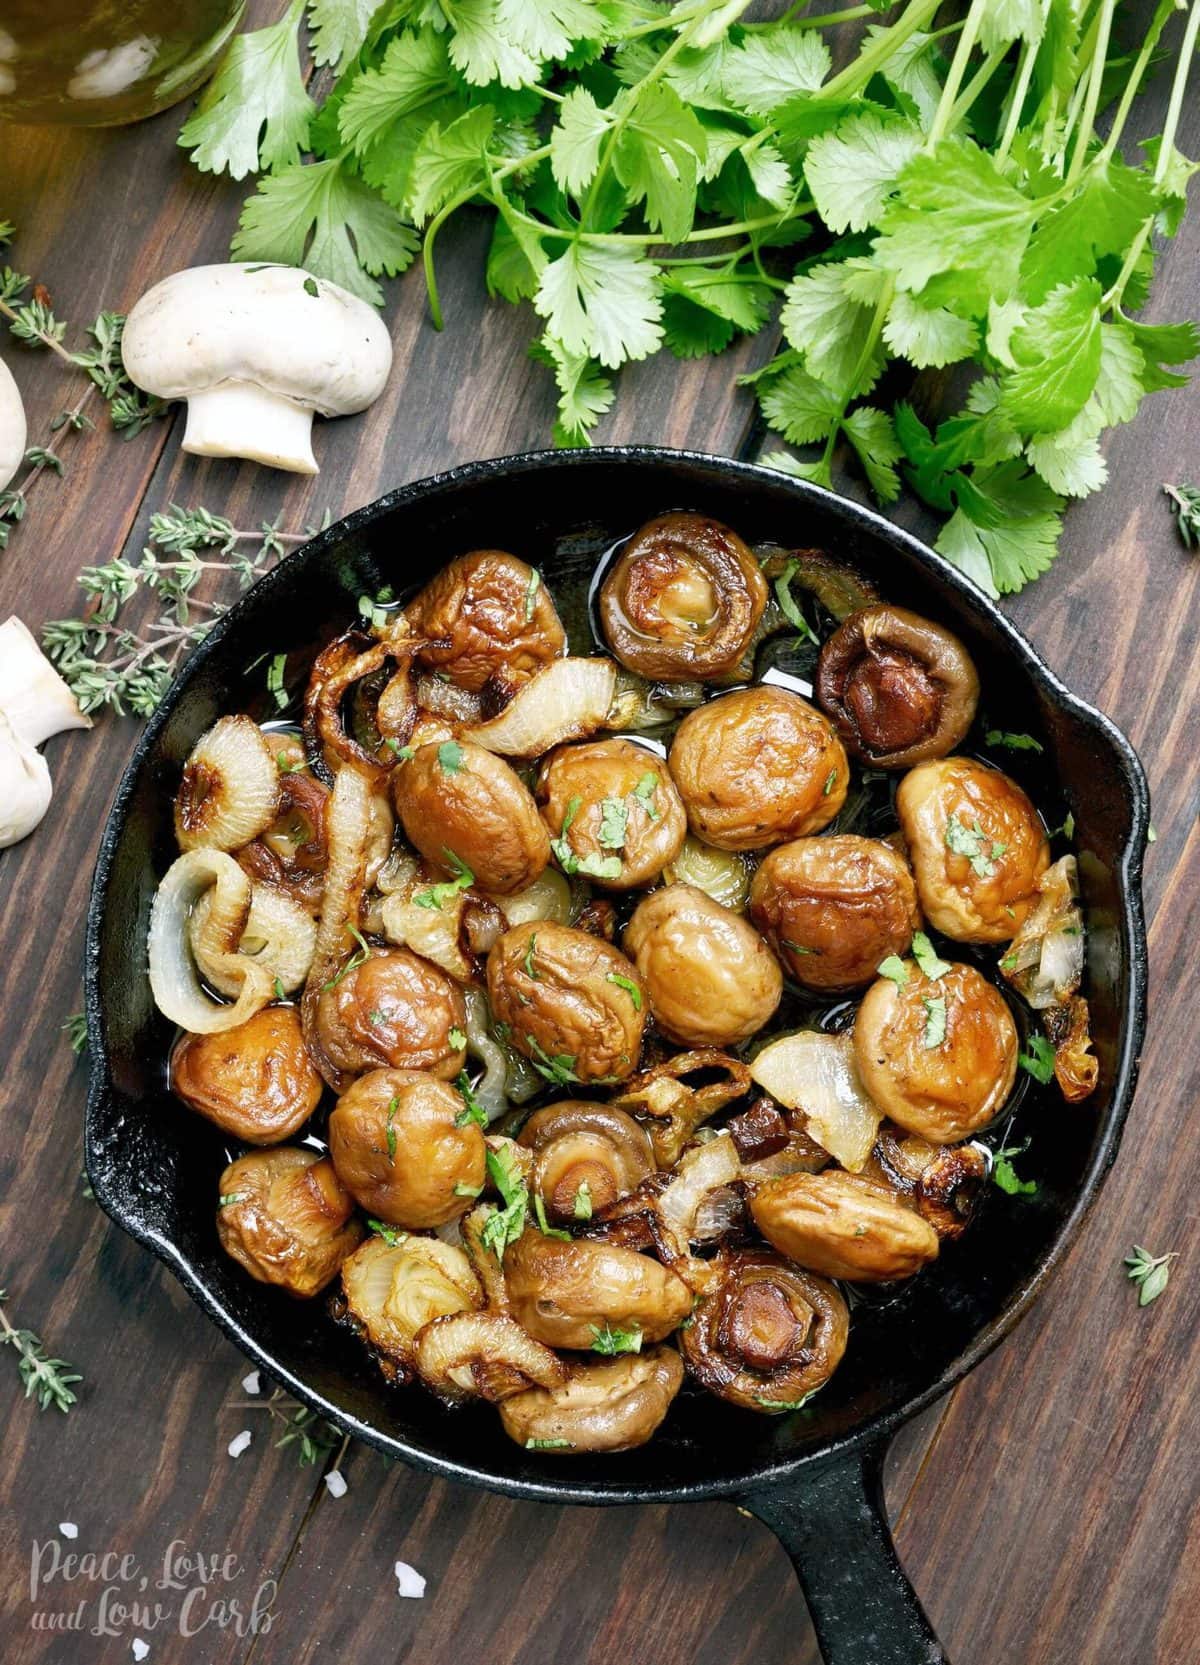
[(1047, 1512)]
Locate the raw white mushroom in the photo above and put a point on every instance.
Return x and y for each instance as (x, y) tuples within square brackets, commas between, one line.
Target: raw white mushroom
[(24, 785), (33, 696), (12, 426), (255, 351)]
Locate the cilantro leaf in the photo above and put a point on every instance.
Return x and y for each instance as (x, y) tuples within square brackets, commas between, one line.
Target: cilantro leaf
[(601, 301), (1004, 1175), (585, 392), (610, 1341), (927, 958), (450, 161), (258, 90), (414, 71), (893, 968), (482, 50), (339, 28), (853, 170), (770, 67), (928, 336), (658, 156), (1057, 356), (576, 139), (800, 407), (873, 436), (614, 823), (831, 331), (547, 28), (325, 219), (1038, 1059)]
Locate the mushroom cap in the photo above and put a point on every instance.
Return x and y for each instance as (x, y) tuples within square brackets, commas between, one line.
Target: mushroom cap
[(275, 327), (12, 426)]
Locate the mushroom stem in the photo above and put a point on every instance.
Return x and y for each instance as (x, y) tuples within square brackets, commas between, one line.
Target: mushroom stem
[(237, 419)]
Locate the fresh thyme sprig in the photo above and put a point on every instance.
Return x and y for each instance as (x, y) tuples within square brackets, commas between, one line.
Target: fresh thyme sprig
[(49, 1381), (1149, 1272), (75, 1029), (1185, 506), (106, 662), (310, 1434)]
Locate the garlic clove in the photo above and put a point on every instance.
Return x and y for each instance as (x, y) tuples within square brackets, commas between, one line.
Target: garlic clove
[(24, 785), (12, 426), (35, 698)]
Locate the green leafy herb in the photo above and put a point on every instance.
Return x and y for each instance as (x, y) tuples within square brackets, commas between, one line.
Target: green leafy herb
[(593, 866), (462, 1190), (785, 1404), (644, 792), (935, 1022), (359, 957), (275, 673), (280, 991), (391, 1235), (457, 1038), (75, 1029), (610, 1341), (1012, 742), (531, 971), (228, 1198), (310, 286), (582, 1206), (1005, 1175), (560, 1070), (472, 1110), (546, 1229), (924, 953), (1149, 1272), (286, 767), (49, 1381), (504, 1225), (390, 1130), (614, 823), (535, 579), (403, 753), (450, 757), (1038, 1059), (438, 895), (893, 968), (830, 783), (792, 613), (1185, 506), (799, 948), (549, 1445), (970, 842), (630, 987), (560, 847), (312, 1436)]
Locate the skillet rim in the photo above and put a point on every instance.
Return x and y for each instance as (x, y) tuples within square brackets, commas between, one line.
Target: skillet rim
[(876, 1431)]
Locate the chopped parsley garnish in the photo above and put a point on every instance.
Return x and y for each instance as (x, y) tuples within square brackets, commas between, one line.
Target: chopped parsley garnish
[(787, 603), (280, 991), (614, 822), (582, 1208), (391, 1235), (275, 686), (1005, 1175), (895, 969), (935, 1023), (231, 1197), (785, 1404), (461, 1190), (535, 579), (309, 286), (457, 1039), (925, 955), (630, 987), (644, 793), (799, 947), (360, 957), (593, 866), (504, 1225), (450, 757), (562, 851), (1038, 1059), (549, 1445), (546, 1229), (438, 895), (530, 969), (560, 1069), (610, 1342), (403, 753), (390, 1130), (1149, 1272), (472, 1110), (972, 843), (1012, 742), (288, 768), (830, 782)]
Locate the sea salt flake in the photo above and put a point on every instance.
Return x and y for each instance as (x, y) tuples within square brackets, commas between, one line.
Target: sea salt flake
[(239, 1442), (409, 1580), (335, 1483), (251, 1384), (139, 1648), (68, 1528)]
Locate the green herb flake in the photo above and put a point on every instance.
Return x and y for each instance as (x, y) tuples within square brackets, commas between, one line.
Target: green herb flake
[(935, 1023), (830, 782), (892, 968), (392, 1235), (1004, 1174), (531, 970), (438, 895), (630, 987), (461, 1190), (560, 1070), (457, 1039), (610, 1342), (924, 953), (970, 842), (287, 767), (280, 991), (75, 1029), (1149, 1272), (785, 1404), (275, 675), (788, 607), (614, 823), (403, 753), (504, 1225), (799, 948), (310, 286), (543, 1225), (390, 1129), (450, 757), (1038, 1059), (472, 1110), (644, 792), (582, 1207), (549, 1445), (560, 847), (1012, 742), (227, 1199), (360, 957), (535, 579), (593, 866)]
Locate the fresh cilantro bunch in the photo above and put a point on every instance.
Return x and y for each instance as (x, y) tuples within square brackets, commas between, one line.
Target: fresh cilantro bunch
[(652, 167)]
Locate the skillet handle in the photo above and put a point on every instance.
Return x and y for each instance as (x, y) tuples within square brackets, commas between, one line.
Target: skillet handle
[(832, 1522)]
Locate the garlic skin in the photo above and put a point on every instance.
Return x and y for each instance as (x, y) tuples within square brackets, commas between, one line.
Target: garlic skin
[(12, 423), (34, 697), (24, 785)]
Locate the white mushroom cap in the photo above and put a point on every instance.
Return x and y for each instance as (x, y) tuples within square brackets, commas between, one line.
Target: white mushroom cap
[(34, 698), (24, 786), (255, 350), (12, 426)]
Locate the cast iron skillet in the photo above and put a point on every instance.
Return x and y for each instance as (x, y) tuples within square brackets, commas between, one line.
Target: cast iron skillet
[(813, 1476)]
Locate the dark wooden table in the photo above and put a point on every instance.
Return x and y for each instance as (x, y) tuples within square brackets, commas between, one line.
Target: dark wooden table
[(1047, 1510)]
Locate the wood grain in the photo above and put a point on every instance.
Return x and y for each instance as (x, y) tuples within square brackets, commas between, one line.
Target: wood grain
[(1047, 1511)]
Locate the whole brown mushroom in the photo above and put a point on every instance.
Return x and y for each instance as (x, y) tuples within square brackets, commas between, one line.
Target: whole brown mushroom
[(488, 618), (393, 1010), (603, 1405), (758, 767), (899, 688), (396, 1141), (464, 807), (766, 1334), (977, 846), (843, 1225), (833, 908), (683, 600), (572, 1004), (937, 1055), (585, 1156), (579, 1294), (256, 1082), (613, 812), (710, 977), (286, 1218)]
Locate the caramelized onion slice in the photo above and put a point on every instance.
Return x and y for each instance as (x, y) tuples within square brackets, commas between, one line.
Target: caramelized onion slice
[(816, 1073), (280, 935), (567, 699), (609, 1405), (485, 1354), (1044, 961), (174, 980), (678, 1105), (722, 874), (229, 793), (392, 1290), (347, 831), (703, 1170)]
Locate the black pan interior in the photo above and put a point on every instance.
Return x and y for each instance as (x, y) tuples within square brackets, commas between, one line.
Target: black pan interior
[(154, 1167)]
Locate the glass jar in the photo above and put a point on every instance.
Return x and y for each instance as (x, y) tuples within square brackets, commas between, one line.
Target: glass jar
[(99, 63)]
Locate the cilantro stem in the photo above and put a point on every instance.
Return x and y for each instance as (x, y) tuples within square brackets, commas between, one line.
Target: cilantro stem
[(943, 116), (825, 20), (856, 75), (1132, 85), (1092, 98), (1017, 96), (977, 84), (629, 104)]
